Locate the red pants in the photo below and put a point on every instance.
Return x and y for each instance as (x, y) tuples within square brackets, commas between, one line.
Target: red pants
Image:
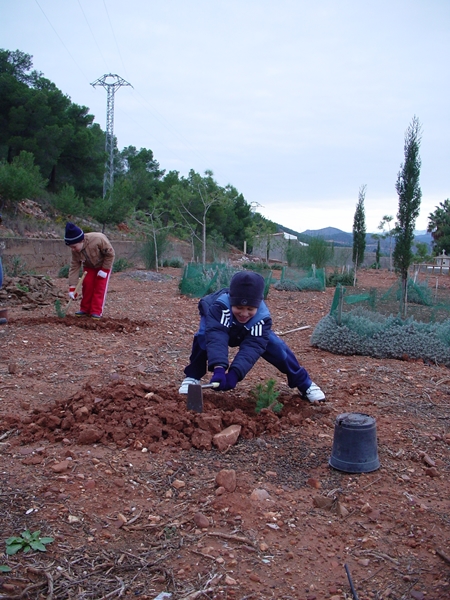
[(94, 292)]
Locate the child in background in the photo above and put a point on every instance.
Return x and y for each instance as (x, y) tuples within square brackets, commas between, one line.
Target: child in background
[(92, 251), (240, 317)]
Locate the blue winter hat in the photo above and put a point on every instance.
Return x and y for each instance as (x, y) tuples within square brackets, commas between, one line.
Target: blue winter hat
[(247, 289), (73, 234)]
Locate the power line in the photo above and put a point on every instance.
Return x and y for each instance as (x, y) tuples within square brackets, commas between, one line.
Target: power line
[(57, 35), (108, 181), (114, 36), (92, 33), (169, 127), (162, 120)]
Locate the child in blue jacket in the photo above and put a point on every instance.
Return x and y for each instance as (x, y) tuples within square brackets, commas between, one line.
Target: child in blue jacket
[(240, 317)]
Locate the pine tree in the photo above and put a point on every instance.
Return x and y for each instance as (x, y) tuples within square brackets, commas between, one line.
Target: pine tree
[(409, 195)]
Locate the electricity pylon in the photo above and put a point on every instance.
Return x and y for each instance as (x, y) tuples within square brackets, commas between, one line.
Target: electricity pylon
[(111, 87)]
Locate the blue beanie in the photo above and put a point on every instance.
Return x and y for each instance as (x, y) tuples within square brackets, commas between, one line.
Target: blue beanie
[(73, 234), (246, 289)]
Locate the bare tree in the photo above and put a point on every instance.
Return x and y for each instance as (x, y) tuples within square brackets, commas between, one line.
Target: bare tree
[(150, 223), (209, 194), (386, 221)]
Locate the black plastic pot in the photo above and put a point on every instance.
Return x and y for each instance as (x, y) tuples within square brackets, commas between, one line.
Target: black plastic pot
[(355, 444)]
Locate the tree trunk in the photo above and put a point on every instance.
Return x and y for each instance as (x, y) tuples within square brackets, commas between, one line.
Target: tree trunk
[(204, 240), (390, 254), (156, 249), (404, 295)]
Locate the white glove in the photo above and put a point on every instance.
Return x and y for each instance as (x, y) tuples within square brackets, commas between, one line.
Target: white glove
[(72, 295), (102, 274)]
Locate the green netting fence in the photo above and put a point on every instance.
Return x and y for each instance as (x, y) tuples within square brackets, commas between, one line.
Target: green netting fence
[(302, 280), (369, 324), (198, 280), (424, 303)]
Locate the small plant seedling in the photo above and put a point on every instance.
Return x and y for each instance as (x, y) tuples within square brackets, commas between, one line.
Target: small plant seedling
[(26, 542), (63, 273), (169, 532), (5, 569), (266, 396), (59, 310), (120, 264), (16, 267)]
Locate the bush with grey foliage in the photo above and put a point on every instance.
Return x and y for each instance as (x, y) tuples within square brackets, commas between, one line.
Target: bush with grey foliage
[(370, 334)]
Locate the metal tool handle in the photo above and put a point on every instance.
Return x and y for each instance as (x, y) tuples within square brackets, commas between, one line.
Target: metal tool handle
[(215, 384)]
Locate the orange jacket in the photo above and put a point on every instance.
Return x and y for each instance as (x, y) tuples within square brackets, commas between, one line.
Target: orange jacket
[(97, 253)]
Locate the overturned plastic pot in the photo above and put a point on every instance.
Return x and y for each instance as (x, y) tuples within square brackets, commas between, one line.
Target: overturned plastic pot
[(355, 447)]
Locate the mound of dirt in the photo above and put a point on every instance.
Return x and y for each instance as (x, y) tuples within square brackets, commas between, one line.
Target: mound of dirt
[(30, 291), (136, 415)]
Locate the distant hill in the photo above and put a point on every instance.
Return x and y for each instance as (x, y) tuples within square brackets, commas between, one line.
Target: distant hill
[(343, 239), (300, 236), (424, 238), (331, 234)]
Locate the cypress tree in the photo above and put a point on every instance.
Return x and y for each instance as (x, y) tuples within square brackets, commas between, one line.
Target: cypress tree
[(359, 229), (409, 196)]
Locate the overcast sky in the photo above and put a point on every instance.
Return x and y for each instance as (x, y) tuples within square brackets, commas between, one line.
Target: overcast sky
[(296, 103)]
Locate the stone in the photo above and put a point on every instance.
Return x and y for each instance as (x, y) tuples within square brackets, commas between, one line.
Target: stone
[(323, 502), (90, 435), (82, 413), (432, 472), (33, 460), (61, 466), (428, 460), (24, 451), (314, 483), (259, 495), (201, 520), (178, 484), (226, 478), (226, 438)]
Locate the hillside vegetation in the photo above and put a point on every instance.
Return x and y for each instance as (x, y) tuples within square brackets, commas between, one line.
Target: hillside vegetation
[(51, 151)]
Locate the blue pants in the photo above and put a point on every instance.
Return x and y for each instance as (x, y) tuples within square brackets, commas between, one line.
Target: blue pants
[(277, 354)]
